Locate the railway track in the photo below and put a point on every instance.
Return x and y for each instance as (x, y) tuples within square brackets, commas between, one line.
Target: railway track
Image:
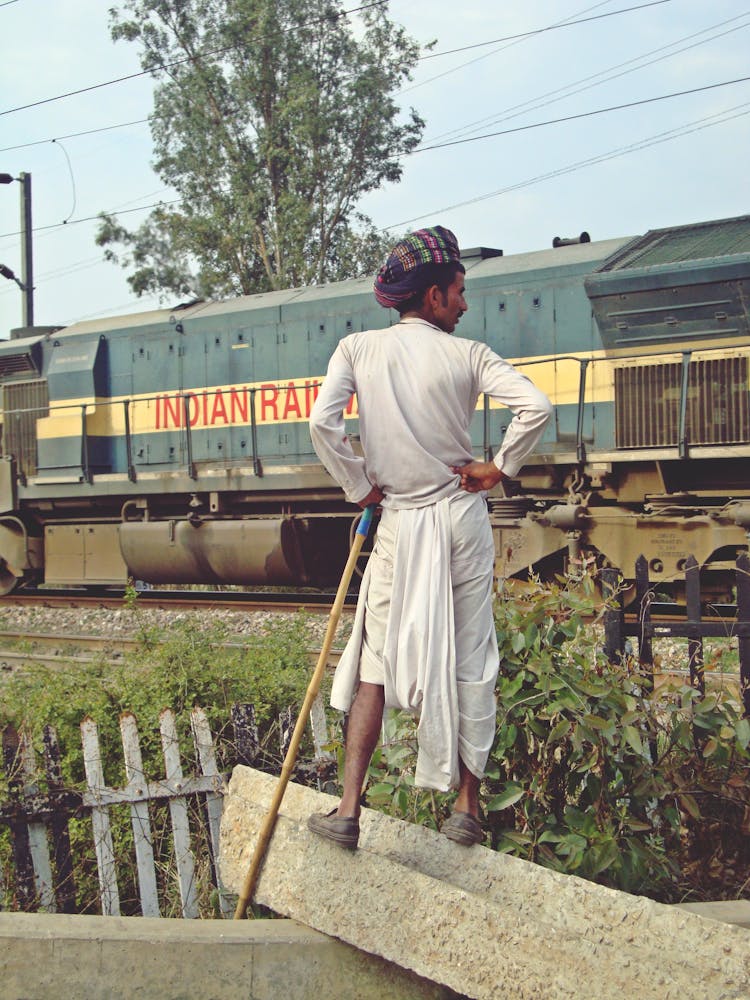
[(166, 600), (19, 649), (314, 601)]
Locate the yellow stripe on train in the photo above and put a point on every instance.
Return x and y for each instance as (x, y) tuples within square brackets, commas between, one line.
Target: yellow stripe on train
[(291, 400)]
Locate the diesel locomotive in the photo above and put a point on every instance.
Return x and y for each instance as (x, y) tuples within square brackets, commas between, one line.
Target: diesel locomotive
[(172, 446)]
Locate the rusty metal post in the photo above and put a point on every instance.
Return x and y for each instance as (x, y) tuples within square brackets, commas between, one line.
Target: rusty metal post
[(614, 617), (694, 633), (743, 617), (129, 442), (580, 446), (85, 468), (257, 467)]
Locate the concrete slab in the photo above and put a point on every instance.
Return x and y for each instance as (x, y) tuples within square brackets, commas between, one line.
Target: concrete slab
[(106, 958), (733, 911), (484, 924)]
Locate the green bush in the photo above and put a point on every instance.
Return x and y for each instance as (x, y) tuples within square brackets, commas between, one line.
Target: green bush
[(590, 773), (188, 666)]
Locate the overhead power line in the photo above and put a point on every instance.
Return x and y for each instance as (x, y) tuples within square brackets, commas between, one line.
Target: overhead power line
[(583, 114), (443, 145), (488, 119), (143, 121), (541, 31), (176, 62), (729, 114), (92, 218), (506, 45), (73, 135), (454, 142), (346, 13), (597, 79), (688, 128)]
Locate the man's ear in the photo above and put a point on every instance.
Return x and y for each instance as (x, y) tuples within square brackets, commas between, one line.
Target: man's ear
[(432, 296)]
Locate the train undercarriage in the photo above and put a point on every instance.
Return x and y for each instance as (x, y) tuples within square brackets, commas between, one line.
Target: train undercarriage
[(557, 518)]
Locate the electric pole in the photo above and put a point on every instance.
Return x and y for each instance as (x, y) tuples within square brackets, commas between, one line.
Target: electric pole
[(27, 260)]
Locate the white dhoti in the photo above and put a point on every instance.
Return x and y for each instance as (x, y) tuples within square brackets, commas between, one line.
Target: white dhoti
[(424, 628)]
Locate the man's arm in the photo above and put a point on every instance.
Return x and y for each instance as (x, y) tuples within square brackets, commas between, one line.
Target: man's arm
[(329, 436), (531, 411), (478, 476)]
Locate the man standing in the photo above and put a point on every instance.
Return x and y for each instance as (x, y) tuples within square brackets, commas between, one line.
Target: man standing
[(424, 637)]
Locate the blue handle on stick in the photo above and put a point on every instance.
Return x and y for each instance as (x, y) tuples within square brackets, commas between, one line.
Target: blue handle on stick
[(365, 521)]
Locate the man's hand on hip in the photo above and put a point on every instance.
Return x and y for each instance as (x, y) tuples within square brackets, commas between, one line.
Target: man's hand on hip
[(375, 496), (477, 476)]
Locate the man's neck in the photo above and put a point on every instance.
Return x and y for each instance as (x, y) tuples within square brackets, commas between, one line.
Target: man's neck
[(419, 314), (413, 317)]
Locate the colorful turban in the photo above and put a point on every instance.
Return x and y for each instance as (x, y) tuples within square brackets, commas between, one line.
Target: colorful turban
[(403, 275)]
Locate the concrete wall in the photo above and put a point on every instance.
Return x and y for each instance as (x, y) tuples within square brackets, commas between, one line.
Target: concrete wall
[(104, 958)]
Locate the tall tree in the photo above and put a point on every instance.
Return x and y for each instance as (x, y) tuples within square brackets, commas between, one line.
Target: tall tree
[(272, 118)]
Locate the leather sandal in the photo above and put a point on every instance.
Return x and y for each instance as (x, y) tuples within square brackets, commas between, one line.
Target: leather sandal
[(463, 828), (342, 830)]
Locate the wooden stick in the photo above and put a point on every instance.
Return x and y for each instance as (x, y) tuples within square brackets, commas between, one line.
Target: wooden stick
[(266, 830)]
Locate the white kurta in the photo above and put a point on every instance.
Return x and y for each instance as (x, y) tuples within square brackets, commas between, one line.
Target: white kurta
[(417, 388)]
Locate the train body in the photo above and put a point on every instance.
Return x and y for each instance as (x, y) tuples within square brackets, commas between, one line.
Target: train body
[(172, 446)]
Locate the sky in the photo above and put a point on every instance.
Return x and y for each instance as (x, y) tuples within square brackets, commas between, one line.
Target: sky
[(617, 173)]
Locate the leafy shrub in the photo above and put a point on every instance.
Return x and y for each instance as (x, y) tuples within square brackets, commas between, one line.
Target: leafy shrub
[(591, 773), (188, 666)]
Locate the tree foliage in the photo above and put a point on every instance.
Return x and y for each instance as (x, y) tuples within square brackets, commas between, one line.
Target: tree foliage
[(272, 118)]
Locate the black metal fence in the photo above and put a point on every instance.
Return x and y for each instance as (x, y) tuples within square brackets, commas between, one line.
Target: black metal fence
[(695, 626)]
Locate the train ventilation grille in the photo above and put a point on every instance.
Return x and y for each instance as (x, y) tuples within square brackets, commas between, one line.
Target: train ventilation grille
[(23, 404), (647, 404), (16, 364)]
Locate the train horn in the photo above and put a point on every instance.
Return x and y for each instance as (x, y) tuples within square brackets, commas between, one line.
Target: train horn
[(568, 241)]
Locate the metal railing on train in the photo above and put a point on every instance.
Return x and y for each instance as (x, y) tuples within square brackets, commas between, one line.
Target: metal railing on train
[(669, 434)]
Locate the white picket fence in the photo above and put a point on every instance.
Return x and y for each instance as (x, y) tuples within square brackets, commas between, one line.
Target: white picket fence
[(44, 880), (138, 792)]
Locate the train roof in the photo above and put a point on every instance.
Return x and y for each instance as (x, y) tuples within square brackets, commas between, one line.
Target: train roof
[(678, 244), (535, 261), (588, 255), (657, 247)]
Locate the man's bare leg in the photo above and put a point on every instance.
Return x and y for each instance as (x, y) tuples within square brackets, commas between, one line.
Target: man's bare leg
[(463, 826), (362, 734), (468, 791)]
